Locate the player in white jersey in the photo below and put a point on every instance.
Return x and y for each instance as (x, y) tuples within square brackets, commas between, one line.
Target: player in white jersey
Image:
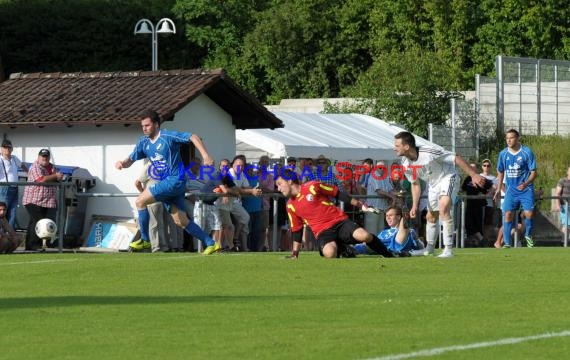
[(437, 168)]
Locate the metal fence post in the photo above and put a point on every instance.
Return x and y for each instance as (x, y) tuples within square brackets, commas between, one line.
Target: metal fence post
[(62, 210), (274, 242)]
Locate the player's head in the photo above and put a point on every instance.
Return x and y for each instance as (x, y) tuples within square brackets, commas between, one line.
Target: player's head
[(404, 141), (393, 215), (150, 122), (512, 138), (287, 183)]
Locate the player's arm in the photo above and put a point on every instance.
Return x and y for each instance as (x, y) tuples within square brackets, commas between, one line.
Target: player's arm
[(296, 226), (199, 144), (403, 231), (463, 165), (416, 189), (347, 199), (528, 181), (124, 164)]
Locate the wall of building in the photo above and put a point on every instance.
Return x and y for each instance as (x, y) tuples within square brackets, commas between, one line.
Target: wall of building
[(97, 149)]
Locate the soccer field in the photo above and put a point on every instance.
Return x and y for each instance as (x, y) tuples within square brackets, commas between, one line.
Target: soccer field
[(481, 304)]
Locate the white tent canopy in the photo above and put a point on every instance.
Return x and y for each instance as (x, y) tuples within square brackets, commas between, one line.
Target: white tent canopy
[(341, 137)]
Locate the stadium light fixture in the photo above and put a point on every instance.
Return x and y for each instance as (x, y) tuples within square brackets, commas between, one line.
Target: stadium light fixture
[(164, 26)]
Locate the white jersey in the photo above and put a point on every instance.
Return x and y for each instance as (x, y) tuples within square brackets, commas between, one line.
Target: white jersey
[(432, 165)]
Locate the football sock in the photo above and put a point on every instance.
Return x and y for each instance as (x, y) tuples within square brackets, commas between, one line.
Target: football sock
[(378, 247), (507, 226), (193, 229), (431, 233), (528, 227), (144, 219), (447, 225)]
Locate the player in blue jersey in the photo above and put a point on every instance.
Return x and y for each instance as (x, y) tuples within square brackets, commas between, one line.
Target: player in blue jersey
[(516, 164), (162, 148), (397, 238)]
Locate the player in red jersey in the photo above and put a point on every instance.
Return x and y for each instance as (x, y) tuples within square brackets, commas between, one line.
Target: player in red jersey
[(310, 203)]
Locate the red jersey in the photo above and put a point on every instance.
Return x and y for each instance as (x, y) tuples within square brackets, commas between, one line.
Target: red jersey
[(314, 207)]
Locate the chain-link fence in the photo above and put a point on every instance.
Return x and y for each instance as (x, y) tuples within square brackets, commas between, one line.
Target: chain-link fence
[(461, 136)]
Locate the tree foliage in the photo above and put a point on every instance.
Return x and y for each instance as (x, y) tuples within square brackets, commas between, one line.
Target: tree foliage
[(86, 35), (407, 58)]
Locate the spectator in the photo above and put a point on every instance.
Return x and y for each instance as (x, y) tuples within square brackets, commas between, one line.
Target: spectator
[(490, 213), (362, 181), (9, 238), (516, 164), (253, 205), (292, 164), (9, 173), (474, 209), (207, 210), (224, 205), (39, 200), (267, 186), (398, 238), (380, 191), (242, 217), (326, 175), (194, 184), (563, 192)]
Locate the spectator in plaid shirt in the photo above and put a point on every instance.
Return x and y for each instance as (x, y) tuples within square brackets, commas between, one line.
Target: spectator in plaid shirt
[(38, 200)]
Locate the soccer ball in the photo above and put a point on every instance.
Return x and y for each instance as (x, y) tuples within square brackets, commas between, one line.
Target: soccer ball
[(46, 229)]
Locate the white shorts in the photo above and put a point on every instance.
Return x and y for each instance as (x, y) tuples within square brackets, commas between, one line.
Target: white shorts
[(211, 217), (448, 186)]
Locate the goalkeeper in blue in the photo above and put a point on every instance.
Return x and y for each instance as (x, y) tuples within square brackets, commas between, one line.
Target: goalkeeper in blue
[(398, 238)]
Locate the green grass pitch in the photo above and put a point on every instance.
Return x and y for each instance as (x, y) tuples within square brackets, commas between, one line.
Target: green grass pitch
[(260, 306)]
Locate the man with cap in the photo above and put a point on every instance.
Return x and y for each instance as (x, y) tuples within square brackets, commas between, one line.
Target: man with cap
[(39, 200), (9, 173)]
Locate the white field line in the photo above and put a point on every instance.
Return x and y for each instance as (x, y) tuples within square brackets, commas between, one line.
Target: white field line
[(38, 262), (441, 350)]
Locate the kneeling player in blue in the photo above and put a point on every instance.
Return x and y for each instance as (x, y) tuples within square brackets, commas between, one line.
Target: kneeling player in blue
[(162, 147), (398, 238)]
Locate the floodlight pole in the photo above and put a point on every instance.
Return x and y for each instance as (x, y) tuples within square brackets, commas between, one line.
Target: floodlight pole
[(164, 26)]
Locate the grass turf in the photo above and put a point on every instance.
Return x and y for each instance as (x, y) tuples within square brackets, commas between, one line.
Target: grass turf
[(259, 306)]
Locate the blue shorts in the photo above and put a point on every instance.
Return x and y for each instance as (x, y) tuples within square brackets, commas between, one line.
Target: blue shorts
[(170, 191), (517, 199), (563, 219)]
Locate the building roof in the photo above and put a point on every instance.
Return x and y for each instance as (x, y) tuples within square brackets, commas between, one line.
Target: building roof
[(101, 98)]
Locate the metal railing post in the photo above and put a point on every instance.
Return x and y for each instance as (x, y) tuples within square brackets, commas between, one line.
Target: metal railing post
[(274, 229)]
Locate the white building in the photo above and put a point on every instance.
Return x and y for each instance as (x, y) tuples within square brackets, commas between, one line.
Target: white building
[(91, 120)]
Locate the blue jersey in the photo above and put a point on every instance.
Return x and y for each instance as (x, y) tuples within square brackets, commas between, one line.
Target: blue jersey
[(388, 238), (516, 167), (164, 152)]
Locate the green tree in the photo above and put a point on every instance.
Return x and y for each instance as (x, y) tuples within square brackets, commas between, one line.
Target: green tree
[(305, 48), (218, 28), (412, 88), (86, 35)]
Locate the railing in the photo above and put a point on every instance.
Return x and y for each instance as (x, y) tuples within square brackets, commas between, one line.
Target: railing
[(460, 222)]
